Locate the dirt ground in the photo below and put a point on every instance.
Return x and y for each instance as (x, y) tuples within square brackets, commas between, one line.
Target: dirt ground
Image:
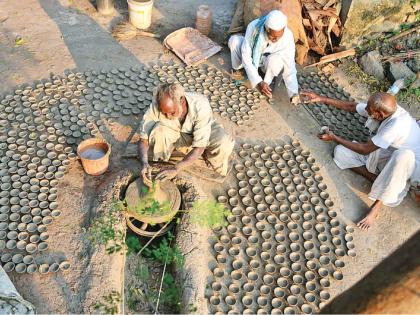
[(59, 35)]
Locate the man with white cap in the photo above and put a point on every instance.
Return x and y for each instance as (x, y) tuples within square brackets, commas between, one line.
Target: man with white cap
[(268, 44)]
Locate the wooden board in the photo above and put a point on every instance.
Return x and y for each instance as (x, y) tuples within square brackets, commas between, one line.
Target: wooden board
[(191, 46)]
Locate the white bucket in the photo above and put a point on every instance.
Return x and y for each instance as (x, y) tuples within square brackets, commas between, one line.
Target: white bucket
[(140, 13)]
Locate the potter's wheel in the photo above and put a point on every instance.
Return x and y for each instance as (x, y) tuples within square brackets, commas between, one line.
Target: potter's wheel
[(149, 224)]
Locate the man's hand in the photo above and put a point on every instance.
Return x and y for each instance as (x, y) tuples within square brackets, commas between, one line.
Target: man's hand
[(167, 174), (146, 172), (265, 89), (311, 97), (327, 137)]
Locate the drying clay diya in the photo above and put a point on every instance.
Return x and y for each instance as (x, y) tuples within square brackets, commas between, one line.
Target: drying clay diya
[(284, 216)]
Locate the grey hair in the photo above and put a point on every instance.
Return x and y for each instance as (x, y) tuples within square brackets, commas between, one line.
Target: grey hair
[(174, 90), (383, 102)]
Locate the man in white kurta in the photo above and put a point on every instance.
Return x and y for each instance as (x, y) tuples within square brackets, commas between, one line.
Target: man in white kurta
[(181, 120), (390, 159), (274, 56)]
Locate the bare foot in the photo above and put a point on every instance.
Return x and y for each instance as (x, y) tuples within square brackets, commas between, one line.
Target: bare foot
[(368, 220)]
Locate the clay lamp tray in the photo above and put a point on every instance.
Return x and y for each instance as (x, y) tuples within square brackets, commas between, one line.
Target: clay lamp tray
[(148, 224)]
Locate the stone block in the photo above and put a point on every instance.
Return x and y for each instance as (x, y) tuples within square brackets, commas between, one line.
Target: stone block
[(371, 64)]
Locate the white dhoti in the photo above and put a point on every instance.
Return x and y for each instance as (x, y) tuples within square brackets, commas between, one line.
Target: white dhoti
[(270, 64), (395, 168), (163, 140)]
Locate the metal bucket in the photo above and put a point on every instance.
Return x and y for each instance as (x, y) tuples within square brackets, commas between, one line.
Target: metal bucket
[(105, 7), (94, 154)]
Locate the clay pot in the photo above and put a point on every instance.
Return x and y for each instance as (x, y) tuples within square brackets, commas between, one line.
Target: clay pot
[(32, 268), (247, 300), (9, 266), (44, 268), (307, 235), (324, 282), (324, 295), (248, 287), (265, 256)]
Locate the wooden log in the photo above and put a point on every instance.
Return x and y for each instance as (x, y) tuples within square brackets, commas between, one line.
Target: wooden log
[(332, 57), (402, 34)]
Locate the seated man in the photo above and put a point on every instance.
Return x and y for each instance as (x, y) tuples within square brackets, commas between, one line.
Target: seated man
[(389, 159), (178, 119), (267, 43)]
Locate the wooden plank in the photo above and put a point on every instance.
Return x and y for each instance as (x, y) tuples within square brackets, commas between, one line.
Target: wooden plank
[(332, 57)]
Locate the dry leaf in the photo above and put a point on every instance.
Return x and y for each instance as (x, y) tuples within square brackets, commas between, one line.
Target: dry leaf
[(307, 23), (329, 4), (322, 2)]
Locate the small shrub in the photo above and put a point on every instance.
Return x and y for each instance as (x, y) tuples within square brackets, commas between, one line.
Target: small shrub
[(169, 296), (133, 244), (165, 253), (209, 213), (102, 230), (109, 303), (142, 272)]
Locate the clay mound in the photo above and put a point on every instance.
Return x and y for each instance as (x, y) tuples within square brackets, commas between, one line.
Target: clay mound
[(165, 191)]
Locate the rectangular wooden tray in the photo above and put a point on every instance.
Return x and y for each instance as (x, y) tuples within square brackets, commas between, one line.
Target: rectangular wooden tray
[(191, 46)]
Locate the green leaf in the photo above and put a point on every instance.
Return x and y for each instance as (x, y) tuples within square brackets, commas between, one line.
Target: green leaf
[(133, 244), (19, 41)]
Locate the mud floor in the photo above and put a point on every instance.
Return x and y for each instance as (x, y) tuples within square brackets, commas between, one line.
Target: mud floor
[(60, 35)]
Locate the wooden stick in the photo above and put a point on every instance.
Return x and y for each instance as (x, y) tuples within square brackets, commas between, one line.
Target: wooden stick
[(402, 56), (332, 57), (148, 34), (402, 34)]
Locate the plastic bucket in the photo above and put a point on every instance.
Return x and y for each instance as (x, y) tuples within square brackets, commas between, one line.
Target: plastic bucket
[(140, 13), (94, 154)]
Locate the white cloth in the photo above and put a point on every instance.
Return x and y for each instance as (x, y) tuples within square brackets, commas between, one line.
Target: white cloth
[(395, 169), (276, 20), (399, 131), (280, 57), (397, 161)]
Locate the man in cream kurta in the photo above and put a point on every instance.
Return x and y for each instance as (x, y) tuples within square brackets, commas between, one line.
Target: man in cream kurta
[(273, 53), (193, 127)]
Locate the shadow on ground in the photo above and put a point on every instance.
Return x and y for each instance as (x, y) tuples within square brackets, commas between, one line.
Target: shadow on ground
[(391, 281), (82, 35)]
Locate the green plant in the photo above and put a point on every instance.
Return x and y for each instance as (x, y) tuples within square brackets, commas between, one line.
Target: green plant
[(134, 297), (164, 253), (142, 272), (169, 295), (352, 69), (103, 230), (410, 94), (133, 244), (109, 303), (192, 308), (209, 213)]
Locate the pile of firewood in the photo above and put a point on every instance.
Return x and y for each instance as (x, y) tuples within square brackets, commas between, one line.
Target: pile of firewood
[(320, 19)]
